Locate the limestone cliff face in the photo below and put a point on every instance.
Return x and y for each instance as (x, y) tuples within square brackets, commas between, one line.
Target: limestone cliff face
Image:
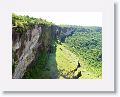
[(26, 46)]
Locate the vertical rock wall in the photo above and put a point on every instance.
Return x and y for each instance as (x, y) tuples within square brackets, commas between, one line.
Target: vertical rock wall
[(26, 45)]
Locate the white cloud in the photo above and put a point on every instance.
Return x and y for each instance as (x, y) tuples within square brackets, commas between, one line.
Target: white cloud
[(71, 18)]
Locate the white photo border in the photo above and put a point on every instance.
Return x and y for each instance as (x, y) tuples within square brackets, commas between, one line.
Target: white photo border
[(104, 84)]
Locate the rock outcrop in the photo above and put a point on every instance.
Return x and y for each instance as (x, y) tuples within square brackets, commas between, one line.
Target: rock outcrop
[(26, 46)]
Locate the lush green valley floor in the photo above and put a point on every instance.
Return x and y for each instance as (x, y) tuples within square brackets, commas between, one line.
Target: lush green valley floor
[(65, 64), (62, 64)]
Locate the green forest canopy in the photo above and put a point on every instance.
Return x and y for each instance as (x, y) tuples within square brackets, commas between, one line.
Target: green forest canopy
[(22, 23)]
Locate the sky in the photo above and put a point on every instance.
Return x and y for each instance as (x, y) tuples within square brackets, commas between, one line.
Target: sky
[(69, 18)]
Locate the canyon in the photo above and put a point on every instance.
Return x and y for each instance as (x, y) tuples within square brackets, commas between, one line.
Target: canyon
[(43, 50)]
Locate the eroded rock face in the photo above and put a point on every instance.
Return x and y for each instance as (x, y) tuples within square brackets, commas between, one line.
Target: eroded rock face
[(25, 46)]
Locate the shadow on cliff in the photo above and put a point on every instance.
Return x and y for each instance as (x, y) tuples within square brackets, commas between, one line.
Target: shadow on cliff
[(45, 66)]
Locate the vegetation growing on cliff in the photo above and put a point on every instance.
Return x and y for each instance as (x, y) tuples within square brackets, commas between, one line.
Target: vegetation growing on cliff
[(24, 23)]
